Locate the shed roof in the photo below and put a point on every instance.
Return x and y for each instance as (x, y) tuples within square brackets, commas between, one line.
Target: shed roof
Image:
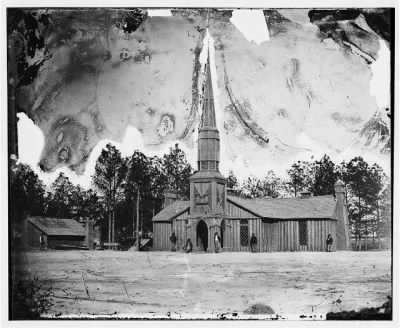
[(57, 226), (317, 207), (171, 211)]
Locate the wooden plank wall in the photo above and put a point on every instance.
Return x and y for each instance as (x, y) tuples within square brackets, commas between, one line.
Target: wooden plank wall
[(33, 236), (53, 241), (288, 236), (237, 212), (161, 232), (270, 236), (254, 227), (228, 235), (284, 235), (179, 227), (318, 232)]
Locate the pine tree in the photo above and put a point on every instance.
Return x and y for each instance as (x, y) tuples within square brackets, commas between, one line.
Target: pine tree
[(300, 178), (178, 170), (27, 193), (60, 200), (325, 174), (231, 181), (110, 173)]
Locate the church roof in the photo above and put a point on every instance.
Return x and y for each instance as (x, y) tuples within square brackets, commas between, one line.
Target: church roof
[(172, 210), (317, 207), (57, 226)]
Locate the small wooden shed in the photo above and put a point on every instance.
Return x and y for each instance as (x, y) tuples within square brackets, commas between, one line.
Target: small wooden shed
[(57, 231)]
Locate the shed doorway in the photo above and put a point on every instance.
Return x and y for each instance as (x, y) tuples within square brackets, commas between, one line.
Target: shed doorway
[(202, 235)]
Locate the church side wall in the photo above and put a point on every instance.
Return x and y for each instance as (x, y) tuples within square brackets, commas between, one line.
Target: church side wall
[(161, 233), (318, 231), (288, 236), (282, 235)]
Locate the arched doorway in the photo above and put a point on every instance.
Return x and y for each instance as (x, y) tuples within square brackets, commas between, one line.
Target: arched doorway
[(202, 235)]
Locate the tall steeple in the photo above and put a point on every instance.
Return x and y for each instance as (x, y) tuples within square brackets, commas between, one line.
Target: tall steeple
[(208, 116), (208, 185), (208, 147)]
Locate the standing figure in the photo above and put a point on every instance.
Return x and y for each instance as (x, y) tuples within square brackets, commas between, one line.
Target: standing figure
[(173, 241), (217, 242), (188, 247), (42, 242), (253, 243), (329, 242)]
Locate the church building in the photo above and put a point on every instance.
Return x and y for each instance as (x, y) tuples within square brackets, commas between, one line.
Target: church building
[(279, 224)]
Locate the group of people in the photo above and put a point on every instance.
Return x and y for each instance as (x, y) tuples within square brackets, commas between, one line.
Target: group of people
[(188, 248)]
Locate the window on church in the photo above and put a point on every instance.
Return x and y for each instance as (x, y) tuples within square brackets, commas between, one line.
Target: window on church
[(244, 232), (303, 233)]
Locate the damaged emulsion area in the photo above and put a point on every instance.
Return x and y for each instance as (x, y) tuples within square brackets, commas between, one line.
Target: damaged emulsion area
[(65, 144), (166, 125)]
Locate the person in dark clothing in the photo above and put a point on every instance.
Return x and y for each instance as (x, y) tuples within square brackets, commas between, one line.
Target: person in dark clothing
[(188, 247), (253, 243), (203, 238), (42, 242), (173, 241), (329, 242)]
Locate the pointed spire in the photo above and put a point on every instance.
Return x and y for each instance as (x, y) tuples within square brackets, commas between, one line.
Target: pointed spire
[(208, 116)]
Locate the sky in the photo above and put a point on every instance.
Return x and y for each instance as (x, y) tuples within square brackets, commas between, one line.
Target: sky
[(31, 139), (252, 25)]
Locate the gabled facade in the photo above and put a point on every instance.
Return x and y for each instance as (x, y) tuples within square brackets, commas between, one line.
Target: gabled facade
[(280, 224)]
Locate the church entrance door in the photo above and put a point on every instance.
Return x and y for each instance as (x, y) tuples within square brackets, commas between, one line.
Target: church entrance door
[(202, 235)]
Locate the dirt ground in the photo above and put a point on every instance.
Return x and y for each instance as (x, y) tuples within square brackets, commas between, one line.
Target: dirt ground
[(176, 285)]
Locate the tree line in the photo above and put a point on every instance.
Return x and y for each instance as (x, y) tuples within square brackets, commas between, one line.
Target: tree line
[(111, 201), (122, 187)]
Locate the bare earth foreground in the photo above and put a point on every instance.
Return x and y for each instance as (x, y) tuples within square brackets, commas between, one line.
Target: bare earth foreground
[(176, 285)]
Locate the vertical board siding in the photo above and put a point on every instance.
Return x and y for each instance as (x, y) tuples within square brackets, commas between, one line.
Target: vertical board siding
[(272, 235), (284, 236), (318, 232), (237, 212), (162, 232)]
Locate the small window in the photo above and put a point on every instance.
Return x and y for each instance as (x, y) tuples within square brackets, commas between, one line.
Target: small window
[(244, 233), (204, 165), (212, 165), (303, 233)]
